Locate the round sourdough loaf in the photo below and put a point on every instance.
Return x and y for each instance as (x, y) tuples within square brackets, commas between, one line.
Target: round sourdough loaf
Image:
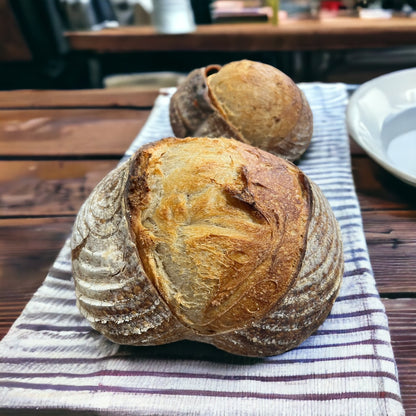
[(207, 239), (248, 101)]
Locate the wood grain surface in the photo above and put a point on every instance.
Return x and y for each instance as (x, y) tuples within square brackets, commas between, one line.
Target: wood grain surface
[(402, 322), (391, 240), (48, 188), (68, 132), (52, 153), (100, 98)]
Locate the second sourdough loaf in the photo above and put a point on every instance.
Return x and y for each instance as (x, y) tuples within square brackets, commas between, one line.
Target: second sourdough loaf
[(207, 239), (246, 100)]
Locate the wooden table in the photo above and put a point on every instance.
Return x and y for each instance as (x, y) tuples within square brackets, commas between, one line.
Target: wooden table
[(290, 35), (295, 46), (56, 145)]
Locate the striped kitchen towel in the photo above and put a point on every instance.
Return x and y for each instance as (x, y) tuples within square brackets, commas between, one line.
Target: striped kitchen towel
[(52, 359)]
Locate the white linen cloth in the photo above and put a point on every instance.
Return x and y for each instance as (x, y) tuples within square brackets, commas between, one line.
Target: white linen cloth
[(51, 358)]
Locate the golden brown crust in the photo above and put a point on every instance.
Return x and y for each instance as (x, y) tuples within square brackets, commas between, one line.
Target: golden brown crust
[(309, 301), (227, 231), (246, 100), (210, 240)]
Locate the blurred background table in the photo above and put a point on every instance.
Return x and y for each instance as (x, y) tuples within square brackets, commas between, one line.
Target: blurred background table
[(56, 145), (335, 33), (347, 49), (329, 49)]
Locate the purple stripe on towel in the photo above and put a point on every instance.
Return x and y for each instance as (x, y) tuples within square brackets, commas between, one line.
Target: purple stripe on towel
[(349, 330), (176, 374), (357, 296), (369, 341), (357, 272), (185, 357), (208, 393), (356, 313)]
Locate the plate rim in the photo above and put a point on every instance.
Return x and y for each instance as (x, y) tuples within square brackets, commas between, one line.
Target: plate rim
[(404, 176)]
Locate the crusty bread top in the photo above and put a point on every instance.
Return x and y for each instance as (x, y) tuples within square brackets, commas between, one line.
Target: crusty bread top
[(264, 105), (220, 228)]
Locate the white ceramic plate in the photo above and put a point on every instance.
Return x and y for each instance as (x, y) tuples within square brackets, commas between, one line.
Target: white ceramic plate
[(381, 117)]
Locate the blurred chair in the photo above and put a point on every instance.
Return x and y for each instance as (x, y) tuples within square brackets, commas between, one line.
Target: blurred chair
[(13, 47), (39, 35), (42, 27), (32, 35)]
